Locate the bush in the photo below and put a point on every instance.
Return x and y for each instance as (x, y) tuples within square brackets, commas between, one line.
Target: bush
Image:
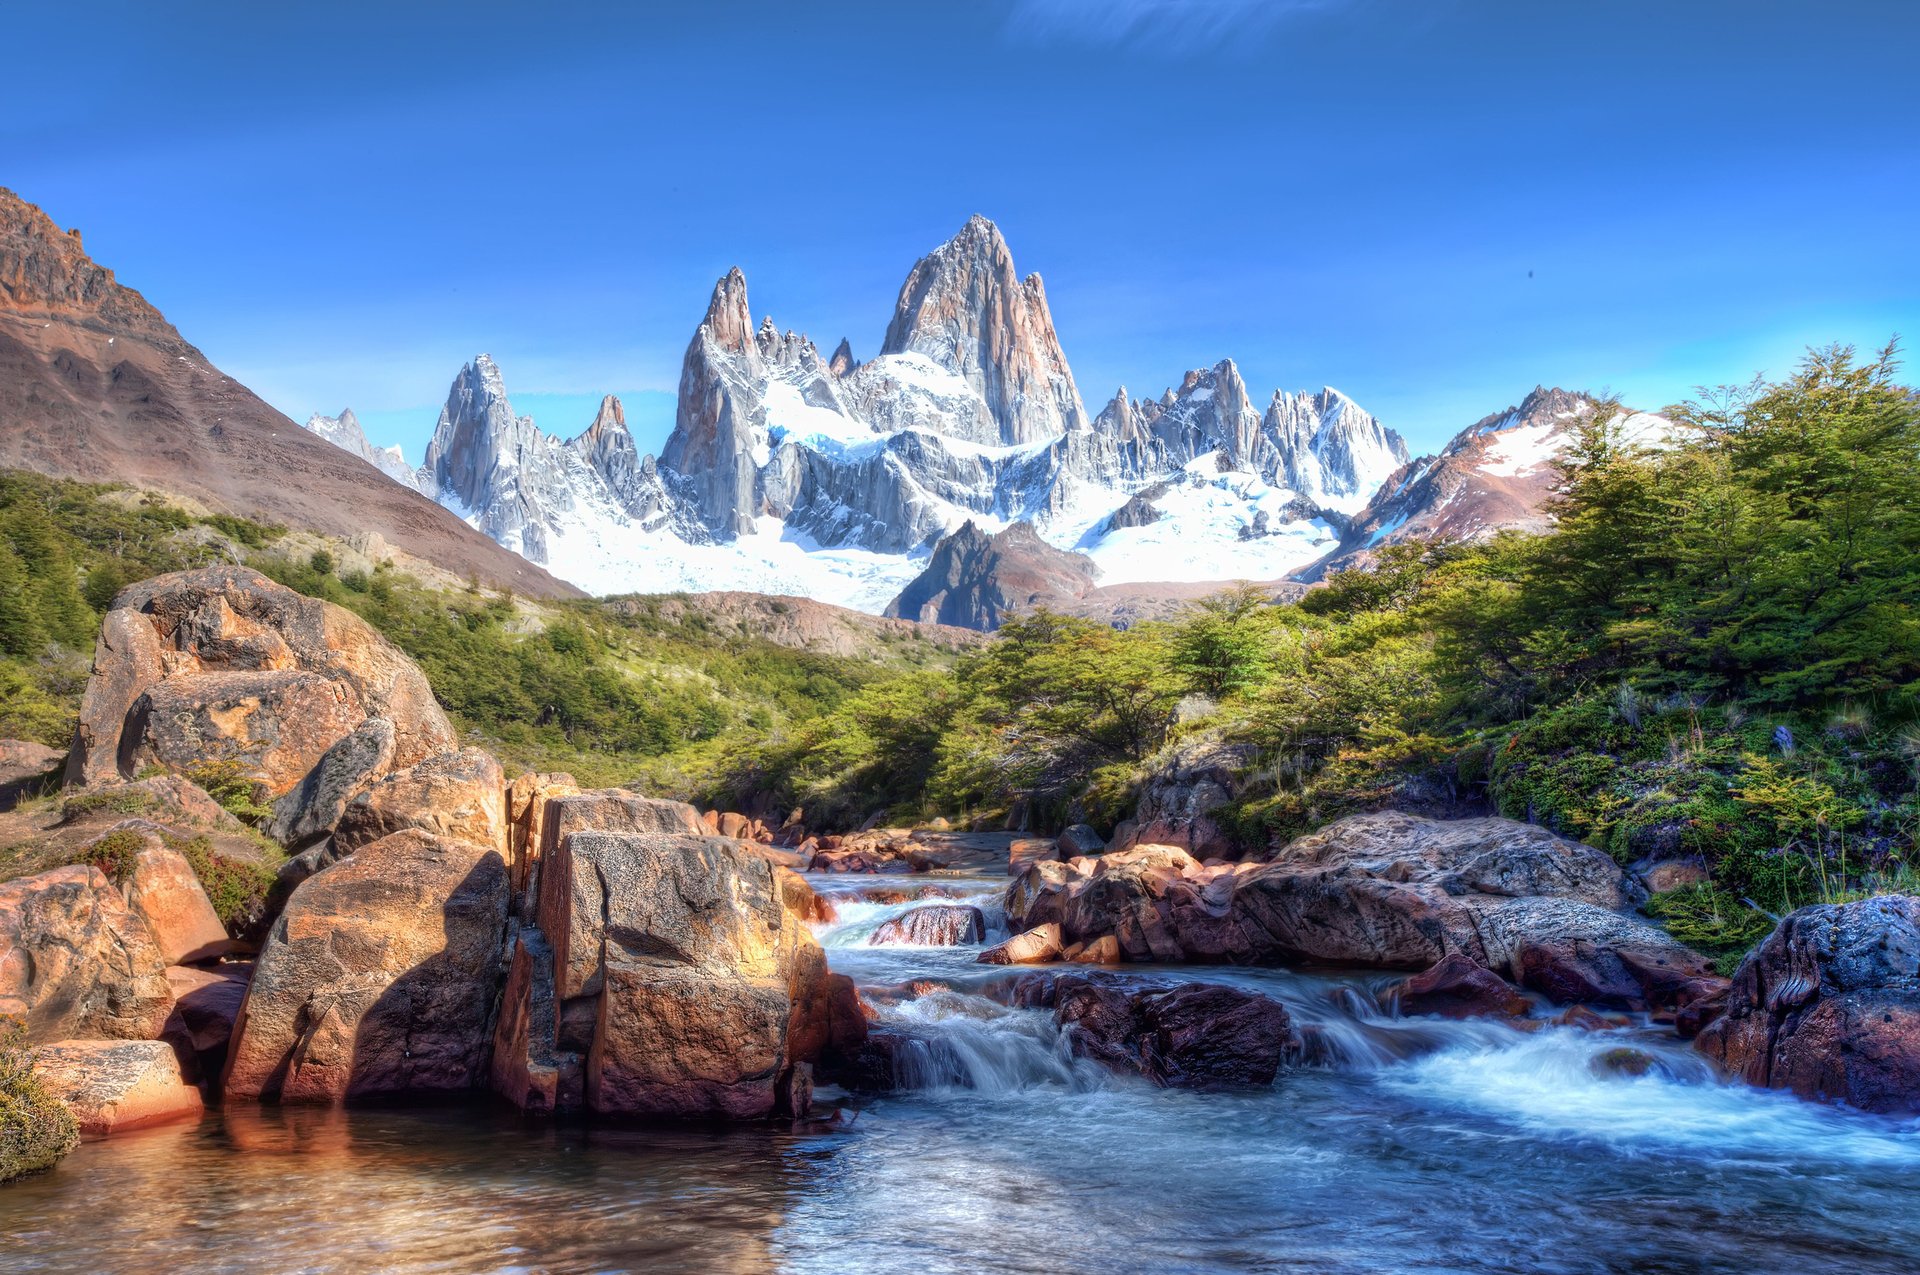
[(237, 889), (36, 1129), (228, 783), (114, 854)]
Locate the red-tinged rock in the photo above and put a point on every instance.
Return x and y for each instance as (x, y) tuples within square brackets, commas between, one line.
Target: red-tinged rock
[(1104, 950), (1457, 988), (75, 964), (935, 925), (528, 798), (461, 796), (113, 1086), (164, 893), (529, 1067), (1189, 1036), (736, 826), (379, 978), (1030, 850), (207, 1002)]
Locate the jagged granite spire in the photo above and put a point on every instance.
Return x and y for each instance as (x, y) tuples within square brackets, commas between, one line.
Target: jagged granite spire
[(344, 432), (964, 307)]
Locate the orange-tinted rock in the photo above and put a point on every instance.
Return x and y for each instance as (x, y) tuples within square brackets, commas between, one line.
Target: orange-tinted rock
[(704, 981), (802, 899), (460, 796), (601, 810), (164, 893), (1104, 950), (527, 798), (75, 963), (260, 642), (276, 724), (207, 1001), (312, 809), (1030, 947), (113, 1086), (378, 978), (530, 1070), (736, 826), (1028, 850)]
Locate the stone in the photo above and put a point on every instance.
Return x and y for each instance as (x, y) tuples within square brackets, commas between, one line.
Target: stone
[(378, 978), (1623, 1062), (297, 869), (75, 963), (460, 796), (264, 646), (1189, 1036), (1458, 988), (934, 925), (1029, 850), (529, 1068), (1104, 950), (1080, 839), (26, 768), (276, 725), (1129, 894), (207, 1001), (737, 826), (1030, 947), (703, 980), (313, 807), (1574, 951), (163, 892), (113, 1086), (1182, 790), (528, 798), (1828, 1007)]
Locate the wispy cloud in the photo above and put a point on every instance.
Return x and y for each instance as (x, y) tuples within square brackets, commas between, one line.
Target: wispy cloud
[(1169, 26)]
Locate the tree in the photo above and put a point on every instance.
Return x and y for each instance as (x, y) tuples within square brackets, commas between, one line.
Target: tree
[(1220, 645)]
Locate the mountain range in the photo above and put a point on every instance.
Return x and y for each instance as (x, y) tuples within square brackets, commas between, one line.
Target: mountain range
[(955, 476)]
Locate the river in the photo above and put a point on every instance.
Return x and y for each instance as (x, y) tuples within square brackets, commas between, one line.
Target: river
[(1412, 1145)]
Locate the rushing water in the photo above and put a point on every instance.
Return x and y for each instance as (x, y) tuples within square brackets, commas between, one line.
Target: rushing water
[(1416, 1145)]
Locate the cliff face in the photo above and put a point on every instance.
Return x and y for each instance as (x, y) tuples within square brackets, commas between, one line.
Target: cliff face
[(96, 385)]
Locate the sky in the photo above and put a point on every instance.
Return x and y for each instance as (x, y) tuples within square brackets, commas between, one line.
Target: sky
[(1433, 205)]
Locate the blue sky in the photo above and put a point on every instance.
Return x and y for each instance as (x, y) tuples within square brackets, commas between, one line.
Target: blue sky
[(1431, 204)]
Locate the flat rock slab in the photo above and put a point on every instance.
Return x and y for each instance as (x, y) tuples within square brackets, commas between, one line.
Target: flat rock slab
[(112, 1086)]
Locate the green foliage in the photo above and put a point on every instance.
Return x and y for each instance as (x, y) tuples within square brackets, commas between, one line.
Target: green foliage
[(229, 784), (1711, 921), (114, 854), (36, 1129), (236, 888), (122, 801)]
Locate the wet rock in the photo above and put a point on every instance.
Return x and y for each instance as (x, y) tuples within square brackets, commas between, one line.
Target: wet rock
[(379, 978), (1038, 894), (802, 899), (207, 1001), (75, 964), (1104, 950), (1623, 1062), (1587, 1019), (1573, 951), (252, 665), (460, 796), (1661, 875), (162, 891), (1458, 988), (1828, 1007), (936, 925), (312, 809), (113, 1086), (1036, 946), (1189, 1036)]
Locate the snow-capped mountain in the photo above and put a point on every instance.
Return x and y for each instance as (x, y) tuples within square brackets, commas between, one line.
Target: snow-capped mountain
[(1497, 474), (344, 432), (791, 472)]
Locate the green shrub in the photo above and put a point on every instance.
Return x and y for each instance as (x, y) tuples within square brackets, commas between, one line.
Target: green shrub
[(122, 801), (229, 784), (236, 888), (36, 1129), (114, 854), (1712, 922)]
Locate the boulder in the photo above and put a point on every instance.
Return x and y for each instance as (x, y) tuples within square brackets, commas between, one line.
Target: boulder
[(707, 991), (1133, 895), (313, 807), (460, 796), (1026, 851), (1030, 947), (162, 890), (935, 925), (1080, 839), (1458, 988), (530, 1069), (528, 797), (1104, 950), (75, 963), (112, 1086), (230, 622), (1183, 788), (737, 826), (207, 1001), (378, 978), (1828, 1006), (275, 725), (25, 769), (1189, 1036), (1037, 895), (307, 863)]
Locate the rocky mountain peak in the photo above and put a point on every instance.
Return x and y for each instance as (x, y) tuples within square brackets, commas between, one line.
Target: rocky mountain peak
[(729, 322), (843, 362), (964, 307), (975, 579), (45, 271), (344, 431)]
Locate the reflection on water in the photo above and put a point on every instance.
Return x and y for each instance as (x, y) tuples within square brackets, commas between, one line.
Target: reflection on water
[(1419, 1146)]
